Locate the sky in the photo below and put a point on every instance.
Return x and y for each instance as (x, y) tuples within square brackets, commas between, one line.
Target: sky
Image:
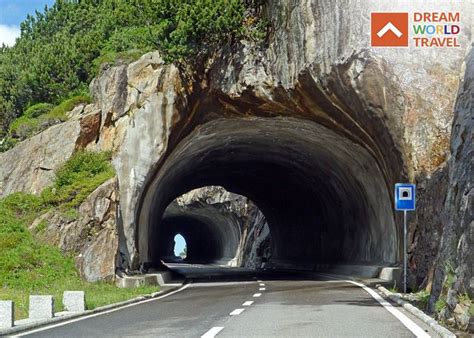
[(179, 244), (12, 13)]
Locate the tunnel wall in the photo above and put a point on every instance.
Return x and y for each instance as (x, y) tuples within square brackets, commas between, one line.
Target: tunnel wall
[(215, 218), (323, 196)]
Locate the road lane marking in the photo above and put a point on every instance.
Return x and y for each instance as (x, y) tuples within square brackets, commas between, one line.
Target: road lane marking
[(237, 312), (212, 332), (259, 281), (257, 294), (410, 325), (47, 327), (262, 284), (248, 303), (261, 289)]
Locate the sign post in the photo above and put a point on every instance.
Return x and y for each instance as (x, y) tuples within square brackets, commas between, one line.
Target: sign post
[(405, 200)]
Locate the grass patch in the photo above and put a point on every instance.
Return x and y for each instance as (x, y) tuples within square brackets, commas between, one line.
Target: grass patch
[(28, 266), (440, 304), (422, 298), (112, 58), (79, 176), (42, 115), (97, 294)]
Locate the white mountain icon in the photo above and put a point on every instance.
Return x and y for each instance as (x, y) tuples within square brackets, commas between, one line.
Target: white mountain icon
[(389, 27)]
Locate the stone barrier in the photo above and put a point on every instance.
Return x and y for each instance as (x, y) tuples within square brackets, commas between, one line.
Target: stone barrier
[(6, 314), (41, 307), (74, 301)]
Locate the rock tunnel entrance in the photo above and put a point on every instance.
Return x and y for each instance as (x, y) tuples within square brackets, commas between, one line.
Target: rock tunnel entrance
[(323, 196), (220, 227)]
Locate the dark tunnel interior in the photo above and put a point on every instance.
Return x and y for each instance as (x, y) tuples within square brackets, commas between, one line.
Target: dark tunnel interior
[(324, 197)]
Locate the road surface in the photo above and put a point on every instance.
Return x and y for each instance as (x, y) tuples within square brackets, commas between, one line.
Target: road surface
[(258, 308)]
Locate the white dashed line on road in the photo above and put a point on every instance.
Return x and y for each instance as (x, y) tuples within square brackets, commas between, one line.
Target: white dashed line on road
[(257, 294), (248, 303), (261, 289), (237, 312), (262, 284), (212, 332)]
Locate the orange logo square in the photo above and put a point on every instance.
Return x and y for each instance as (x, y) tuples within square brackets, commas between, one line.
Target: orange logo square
[(389, 29)]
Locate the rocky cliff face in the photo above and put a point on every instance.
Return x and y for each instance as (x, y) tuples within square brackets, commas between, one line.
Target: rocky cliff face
[(91, 234), (453, 275), (314, 126)]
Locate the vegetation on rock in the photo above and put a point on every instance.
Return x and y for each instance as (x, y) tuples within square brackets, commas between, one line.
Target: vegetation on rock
[(29, 266), (61, 49)]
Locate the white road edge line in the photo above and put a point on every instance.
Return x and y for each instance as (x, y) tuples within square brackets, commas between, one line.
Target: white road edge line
[(410, 325), (212, 332), (236, 312), (257, 294), (100, 313), (261, 289), (248, 303)]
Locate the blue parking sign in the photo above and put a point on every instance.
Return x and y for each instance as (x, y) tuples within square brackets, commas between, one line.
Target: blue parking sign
[(405, 196)]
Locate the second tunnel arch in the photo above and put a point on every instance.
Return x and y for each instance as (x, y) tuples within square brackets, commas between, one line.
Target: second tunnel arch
[(324, 196)]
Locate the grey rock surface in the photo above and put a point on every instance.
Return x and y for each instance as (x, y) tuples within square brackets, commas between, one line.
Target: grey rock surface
[(91, 235), (457, 243), (30, 166)]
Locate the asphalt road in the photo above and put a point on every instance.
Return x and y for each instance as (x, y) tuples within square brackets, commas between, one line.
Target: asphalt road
[(285, 308)]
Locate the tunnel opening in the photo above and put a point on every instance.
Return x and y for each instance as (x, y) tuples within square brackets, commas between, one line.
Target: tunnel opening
[(180, 247), (220, 227), (324, 197)]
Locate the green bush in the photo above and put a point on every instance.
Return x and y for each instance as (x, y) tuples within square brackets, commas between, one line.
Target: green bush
[(422, 298), (38, 117), (7, 143), (37, 110), (440, 304), (59, 112), (77, 178), (60, 49)]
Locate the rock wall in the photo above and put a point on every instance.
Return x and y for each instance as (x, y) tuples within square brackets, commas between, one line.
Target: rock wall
[(90, 234), (426, 228), (456, 254)]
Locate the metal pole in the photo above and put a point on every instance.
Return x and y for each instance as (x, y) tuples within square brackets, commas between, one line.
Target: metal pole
[(404, 251)]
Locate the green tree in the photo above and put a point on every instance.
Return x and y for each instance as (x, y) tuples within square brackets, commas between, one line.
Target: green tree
[(60, 48)]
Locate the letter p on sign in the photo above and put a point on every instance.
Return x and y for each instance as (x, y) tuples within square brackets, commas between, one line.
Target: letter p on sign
[(389, 29)]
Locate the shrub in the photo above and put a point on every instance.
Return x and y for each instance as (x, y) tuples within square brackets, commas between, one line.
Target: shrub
[(59, 112), (7, 143), (37, 110), (77, 178), (38, 117), (440, 304), (423, 297), (24, 127), (54, 55)]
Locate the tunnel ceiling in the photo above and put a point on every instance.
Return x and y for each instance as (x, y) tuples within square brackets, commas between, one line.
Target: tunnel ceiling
[(324, 197)]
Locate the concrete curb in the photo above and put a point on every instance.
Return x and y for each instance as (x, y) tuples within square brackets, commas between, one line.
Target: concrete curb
[(442, 331), (55, 320)]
